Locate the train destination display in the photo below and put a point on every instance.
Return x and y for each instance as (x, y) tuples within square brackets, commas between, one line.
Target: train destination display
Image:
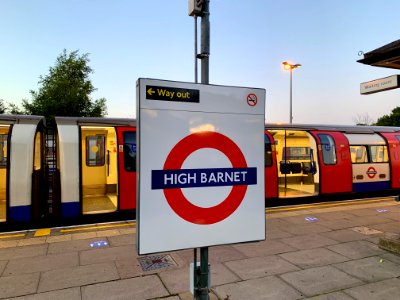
[(201, 165)]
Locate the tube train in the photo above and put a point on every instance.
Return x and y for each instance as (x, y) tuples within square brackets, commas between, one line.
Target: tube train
[(85, 169)]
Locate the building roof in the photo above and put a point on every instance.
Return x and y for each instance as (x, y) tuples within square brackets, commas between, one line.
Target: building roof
[(387, 56)]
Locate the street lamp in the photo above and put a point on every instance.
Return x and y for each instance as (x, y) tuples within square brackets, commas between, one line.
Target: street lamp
[(290, 67)]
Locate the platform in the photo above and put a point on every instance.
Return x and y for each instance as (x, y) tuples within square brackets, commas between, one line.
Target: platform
[(327, 251)]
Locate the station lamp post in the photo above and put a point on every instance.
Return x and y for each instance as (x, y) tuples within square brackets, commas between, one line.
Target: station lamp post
[(290, 67)]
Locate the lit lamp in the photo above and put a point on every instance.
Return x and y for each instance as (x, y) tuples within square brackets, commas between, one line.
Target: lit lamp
[(290, 67)]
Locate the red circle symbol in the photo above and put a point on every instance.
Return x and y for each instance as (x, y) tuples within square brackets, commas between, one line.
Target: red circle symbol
[(175, 198), (252, 99), (371, 172)]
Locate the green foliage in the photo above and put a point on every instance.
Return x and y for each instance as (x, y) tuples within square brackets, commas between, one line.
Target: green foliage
[(66, 90), (390, 120), (2, 107)]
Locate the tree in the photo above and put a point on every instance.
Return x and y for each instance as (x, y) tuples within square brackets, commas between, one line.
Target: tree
[(2, 107), (66, 90), (363, 119), (390, 120)]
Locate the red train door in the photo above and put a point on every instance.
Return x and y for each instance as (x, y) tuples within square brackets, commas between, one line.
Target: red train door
[(126, 167), (271, 169), (393, 139), (334, 162)]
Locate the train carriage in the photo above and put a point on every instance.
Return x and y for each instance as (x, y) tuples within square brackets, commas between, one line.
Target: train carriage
[(22, 169), (311, 160), (96, 162)]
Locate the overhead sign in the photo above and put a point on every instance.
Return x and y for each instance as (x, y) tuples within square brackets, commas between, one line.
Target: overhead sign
[(379, 85), (201, 165)]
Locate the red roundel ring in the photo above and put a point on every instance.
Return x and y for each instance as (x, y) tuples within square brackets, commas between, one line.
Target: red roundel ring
[(371, 172), (178, 202)]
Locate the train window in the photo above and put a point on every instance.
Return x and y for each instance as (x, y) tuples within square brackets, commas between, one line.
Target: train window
[(378, 153), (95, 153), (267, 151), (37, 154), (328, 149), (358, 154), (3, 150), (129, 139), (398, 137), (296, 153)]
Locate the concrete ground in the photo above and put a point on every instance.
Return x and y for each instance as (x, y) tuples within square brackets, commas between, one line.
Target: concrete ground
[(314, 252)]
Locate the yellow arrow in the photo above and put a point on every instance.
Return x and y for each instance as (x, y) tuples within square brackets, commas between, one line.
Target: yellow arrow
[(150, 91)]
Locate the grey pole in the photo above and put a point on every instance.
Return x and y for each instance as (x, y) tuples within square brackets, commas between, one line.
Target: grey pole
[(291, 114), (205, 54)]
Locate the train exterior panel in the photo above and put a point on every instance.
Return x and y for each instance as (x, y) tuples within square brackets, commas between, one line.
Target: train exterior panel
[(393, 139), (334, 161), (94, 175)]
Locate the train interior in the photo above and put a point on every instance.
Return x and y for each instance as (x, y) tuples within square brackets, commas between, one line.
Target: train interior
[(99, 169), (296, 162), (4, 130)]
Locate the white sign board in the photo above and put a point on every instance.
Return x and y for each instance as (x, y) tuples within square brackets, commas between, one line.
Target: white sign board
[(200, 164), (379, 85)]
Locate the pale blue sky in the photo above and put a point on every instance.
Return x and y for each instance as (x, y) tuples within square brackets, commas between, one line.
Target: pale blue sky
[(128, 39)]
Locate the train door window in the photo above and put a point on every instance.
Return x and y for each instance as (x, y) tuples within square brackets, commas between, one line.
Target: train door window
[(398, 137), (296, 153), (378, 154), (95, 153), (37, 157), (3, 150), (358, 154), (328, 149), (129, 140), (267, 151)]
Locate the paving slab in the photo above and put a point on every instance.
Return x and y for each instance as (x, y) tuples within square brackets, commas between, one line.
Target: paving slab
[(273, 233), (3, 264), (41, 263), (32, 241), (107, 254), (340, 224), (139, 288), (59, 238), (332, 296), (18, 285), (301, 229), (392, 227), (72, 245), (320, 280), (264, 248), (370, 269), (223, 253), (266, 288), (65, 294), (309, 241), (383, 290), (344, 235), (84, 235), (21, 252), (313, 257), (260, 267), (177, 280), (122, 240), (77, 276), (335, 215), (357, 249)]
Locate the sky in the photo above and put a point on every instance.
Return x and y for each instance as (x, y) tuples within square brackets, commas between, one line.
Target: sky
[(131, 39)]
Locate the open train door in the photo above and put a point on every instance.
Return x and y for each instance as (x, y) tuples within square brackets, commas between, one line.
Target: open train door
[(393, 142), (334, 162), (271, 169), (126, 167)]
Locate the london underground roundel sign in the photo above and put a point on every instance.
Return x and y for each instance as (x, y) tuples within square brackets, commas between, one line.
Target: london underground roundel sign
[(200, 178), (239, 176)]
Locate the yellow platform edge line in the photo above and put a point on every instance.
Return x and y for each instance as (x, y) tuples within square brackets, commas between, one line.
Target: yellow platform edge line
[(96, 227), (318, 205), (42, 232), (12, 235)]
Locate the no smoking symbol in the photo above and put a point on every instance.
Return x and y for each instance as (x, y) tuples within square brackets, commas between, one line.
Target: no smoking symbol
[(252, 99)]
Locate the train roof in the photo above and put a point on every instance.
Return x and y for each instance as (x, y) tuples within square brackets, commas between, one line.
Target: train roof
[(91, 121), (20, 119), (340, 128)]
